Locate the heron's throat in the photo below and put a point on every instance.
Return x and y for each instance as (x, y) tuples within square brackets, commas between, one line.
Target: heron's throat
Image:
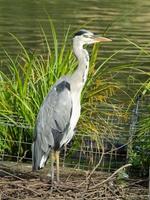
[(83, 63)]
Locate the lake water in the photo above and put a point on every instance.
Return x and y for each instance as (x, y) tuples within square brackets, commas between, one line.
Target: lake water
[(118, 19)]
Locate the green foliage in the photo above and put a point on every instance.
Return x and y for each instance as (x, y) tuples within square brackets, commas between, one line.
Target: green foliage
[(31, 76), (23, 88), (140, 153)]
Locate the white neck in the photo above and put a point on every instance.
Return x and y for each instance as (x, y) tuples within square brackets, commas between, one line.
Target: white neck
[(82, 55)]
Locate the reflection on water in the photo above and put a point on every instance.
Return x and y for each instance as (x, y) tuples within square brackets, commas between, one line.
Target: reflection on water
[(118, 19)]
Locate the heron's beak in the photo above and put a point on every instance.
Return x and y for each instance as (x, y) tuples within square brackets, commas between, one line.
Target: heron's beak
[(100, 39)]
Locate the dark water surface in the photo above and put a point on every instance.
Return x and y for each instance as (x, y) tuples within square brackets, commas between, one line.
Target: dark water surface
[(116, 18)]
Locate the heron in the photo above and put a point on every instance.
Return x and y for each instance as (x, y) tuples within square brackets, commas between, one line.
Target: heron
[(60, 110)]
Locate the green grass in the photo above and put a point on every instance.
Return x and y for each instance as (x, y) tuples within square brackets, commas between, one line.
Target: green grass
[(30, 77), (140, 151)]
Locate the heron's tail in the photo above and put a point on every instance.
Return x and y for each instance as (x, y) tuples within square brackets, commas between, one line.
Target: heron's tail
[(36, 155), (39, 157)]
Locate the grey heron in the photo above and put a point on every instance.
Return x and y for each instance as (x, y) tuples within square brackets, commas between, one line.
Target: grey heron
[(60, 111)]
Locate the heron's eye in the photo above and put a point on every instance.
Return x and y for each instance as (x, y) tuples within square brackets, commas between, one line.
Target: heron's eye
[(88, 36)]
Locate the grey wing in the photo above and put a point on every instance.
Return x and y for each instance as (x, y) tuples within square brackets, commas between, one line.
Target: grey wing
[(52, 121)]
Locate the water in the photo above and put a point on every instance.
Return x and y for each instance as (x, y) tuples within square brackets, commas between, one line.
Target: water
[(118, 19)]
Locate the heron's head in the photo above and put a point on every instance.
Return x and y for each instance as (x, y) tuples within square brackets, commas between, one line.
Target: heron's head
[(87, 37)]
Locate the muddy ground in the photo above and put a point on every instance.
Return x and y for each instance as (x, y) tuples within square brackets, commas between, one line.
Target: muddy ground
[(18, 182)]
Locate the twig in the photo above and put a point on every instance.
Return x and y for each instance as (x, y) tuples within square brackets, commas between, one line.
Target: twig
[(21, 180), (8, 197), (136, 182), (19, 161), (12, 175), (76, 166), (58, 190), (66, 188), (92, 172), (24, 155), (103, 153), (110, 177), (98, 164), (26, 188)]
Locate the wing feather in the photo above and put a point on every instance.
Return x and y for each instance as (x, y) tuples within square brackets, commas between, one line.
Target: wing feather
[(54, 116)]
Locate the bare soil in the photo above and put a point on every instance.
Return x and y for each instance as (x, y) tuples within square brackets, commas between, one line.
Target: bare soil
[(18, 182)]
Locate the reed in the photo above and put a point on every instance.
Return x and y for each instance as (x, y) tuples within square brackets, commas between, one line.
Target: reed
[(30, 77)]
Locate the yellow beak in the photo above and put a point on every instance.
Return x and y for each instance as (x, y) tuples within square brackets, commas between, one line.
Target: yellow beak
[(101, 39)]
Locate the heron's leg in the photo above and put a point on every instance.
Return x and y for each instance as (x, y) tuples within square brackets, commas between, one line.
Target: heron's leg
[(52, 165), (57, 165)]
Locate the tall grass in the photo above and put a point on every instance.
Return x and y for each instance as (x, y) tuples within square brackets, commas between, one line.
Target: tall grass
[(30, 77), (140, 151)]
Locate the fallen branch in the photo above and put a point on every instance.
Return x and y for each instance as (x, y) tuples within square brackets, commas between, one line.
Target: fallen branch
[(110, 177)]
